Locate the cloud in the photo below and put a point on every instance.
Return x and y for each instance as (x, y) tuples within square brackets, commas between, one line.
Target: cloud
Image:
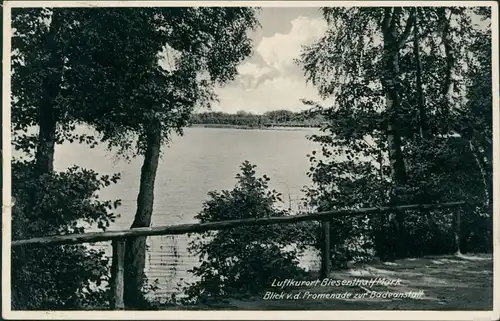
[(252, 69), (251, 74), (271, 80), (279, 50), (271, 94)]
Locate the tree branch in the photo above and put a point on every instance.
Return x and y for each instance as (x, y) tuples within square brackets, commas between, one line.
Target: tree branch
[(406, 32), (420, 90), (387, 19), (421, 36), (395, 15), (448, 51), (449, 62)]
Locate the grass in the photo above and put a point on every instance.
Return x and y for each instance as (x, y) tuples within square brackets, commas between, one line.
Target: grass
[(463, 282)]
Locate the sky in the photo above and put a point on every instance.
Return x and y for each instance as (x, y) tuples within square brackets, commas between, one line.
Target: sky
[(269, 79)]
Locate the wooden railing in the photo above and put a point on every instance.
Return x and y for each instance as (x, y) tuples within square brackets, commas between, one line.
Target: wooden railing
[(118, 237)]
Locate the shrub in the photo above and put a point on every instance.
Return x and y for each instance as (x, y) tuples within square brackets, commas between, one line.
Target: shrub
[(241, 262), (58, 277)]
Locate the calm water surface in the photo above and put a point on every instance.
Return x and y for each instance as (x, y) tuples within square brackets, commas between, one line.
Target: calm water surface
[(202, 160)]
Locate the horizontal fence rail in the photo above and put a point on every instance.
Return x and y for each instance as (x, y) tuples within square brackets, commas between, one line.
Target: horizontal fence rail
[(219, 225), (118, 237)]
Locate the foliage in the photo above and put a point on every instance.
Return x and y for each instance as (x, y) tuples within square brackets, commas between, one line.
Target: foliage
[(118, 77), (134, 80), (348, 64), (240, 262), (174, 57), (60, 277), (272, 118), (47, 202)]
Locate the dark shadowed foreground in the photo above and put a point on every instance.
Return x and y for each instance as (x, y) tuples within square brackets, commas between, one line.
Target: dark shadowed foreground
[(462, 282)]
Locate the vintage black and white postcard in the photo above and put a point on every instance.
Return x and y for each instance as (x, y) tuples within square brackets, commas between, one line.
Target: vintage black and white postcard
[(289, 160)]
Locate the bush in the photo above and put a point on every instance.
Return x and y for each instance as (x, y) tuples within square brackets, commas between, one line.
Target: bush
[(445, 170), (242, 262), (58, 277), (439, 170), (346, 183)]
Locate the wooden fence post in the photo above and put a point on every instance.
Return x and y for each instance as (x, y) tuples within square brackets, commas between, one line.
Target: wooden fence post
[(325, 251), (456, 231), (117, 275)]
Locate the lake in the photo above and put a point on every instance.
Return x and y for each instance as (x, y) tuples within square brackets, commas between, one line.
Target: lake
[(203, 160)]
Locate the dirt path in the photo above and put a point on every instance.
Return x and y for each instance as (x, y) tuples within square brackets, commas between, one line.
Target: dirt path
[(431, 283)]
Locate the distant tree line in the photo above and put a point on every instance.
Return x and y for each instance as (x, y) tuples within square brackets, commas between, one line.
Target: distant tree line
[(285, 118)]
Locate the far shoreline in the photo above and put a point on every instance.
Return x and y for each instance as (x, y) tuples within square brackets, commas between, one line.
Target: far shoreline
[(245, 127)]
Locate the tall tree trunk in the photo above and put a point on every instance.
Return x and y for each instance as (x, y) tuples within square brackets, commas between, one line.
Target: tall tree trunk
[(422, 116), (391, 86), (481, 164), (447, 87), (135, 253), (392, 47), (44, 154), (486, 175), (47, 111)]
